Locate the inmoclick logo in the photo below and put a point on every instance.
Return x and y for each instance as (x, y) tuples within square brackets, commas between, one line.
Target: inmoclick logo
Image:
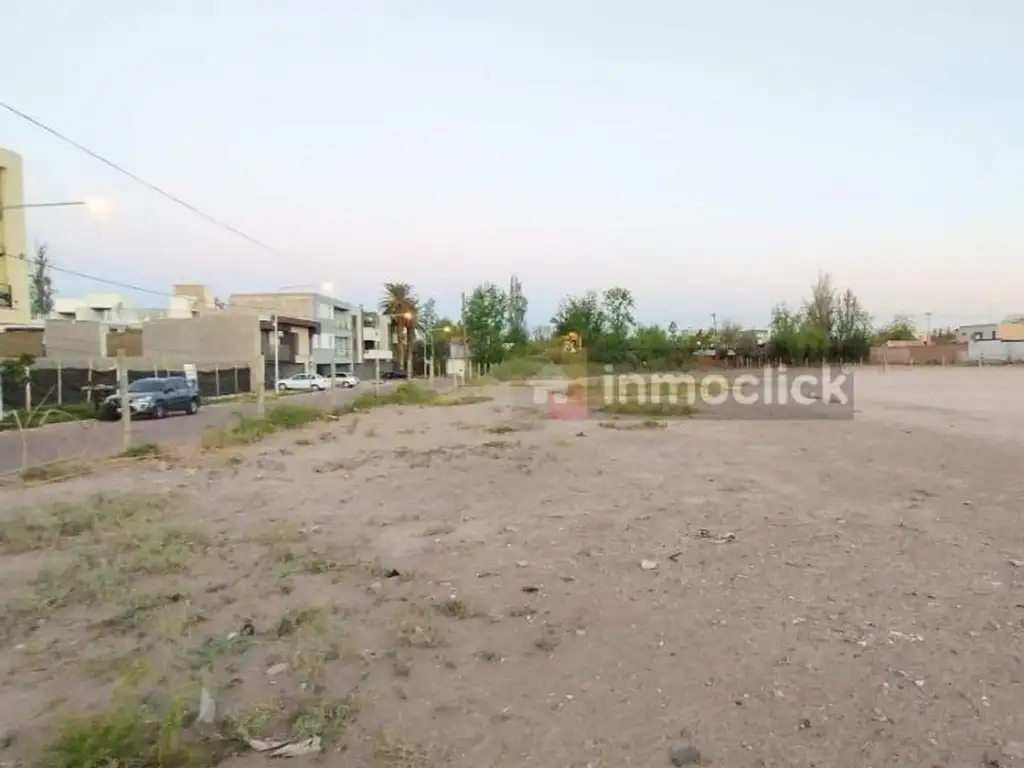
[(770, 393)]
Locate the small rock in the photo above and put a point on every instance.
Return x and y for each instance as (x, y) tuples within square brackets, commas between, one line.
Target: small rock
[(248, 629), (688, 755), (805, 724), (521, 563), (648, 565), (531, 590), (1017, 563), (277, 669), (207, 708)]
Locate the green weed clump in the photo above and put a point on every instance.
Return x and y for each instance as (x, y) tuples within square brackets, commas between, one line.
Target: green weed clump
[(251, 429)]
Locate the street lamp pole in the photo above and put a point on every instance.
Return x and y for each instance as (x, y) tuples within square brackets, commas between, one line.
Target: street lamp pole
[(277, 354), (430, 375)]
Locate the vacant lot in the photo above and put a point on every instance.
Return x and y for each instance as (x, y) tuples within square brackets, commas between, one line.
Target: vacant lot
[(480, 586)]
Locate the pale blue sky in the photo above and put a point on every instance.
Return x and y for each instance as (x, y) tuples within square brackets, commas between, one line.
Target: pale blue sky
[(712, 157)]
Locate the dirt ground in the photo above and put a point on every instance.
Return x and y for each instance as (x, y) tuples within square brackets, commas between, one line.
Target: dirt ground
[(467, 587)]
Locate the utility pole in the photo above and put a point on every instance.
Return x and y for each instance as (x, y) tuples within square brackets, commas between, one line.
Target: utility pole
[(928, 328), (376, 356), (277, 353), (126, 409), (714, 322)]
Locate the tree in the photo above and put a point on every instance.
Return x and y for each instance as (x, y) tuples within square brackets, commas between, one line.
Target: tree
[(41, 283), (617, 309), (399, 303), (517, 304), (485, 323), (785, 343), (819, 309), (900, 329), (583, 315), (851, 329)]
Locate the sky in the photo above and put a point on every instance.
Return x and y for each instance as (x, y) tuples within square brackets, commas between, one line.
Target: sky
[(710, 157)]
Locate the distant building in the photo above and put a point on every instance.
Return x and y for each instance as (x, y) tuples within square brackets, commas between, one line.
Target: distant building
[(349, 339), (990, 332)]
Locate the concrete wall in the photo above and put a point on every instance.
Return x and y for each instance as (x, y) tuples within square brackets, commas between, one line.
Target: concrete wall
[(13, 269), (16, 342), (129, 341), (206, 339), (932, 354), (75, 338), (299, 305), (996, 351)]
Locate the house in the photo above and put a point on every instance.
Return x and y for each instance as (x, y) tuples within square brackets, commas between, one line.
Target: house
[(348, 339), (1006, 331)]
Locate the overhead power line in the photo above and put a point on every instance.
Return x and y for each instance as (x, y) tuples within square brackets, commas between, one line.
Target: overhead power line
[(139, 180)]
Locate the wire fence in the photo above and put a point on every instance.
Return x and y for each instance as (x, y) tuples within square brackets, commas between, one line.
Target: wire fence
[(78, 383)]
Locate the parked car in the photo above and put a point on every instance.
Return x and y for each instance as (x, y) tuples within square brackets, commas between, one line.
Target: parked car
[(300, 381), (153, 397), (394, 375), (346, 380)]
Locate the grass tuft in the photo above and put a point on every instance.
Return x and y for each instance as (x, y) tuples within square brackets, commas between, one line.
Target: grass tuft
[(141, 450)]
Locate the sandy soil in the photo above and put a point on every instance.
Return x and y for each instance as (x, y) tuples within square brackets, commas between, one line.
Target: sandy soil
[(463, 587)]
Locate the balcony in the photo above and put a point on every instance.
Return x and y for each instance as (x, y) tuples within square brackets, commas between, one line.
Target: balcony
[(285, 354), (378, 354), (370, 333)]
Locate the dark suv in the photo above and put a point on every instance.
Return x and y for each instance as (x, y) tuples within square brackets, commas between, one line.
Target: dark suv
[(154, 398), (395, 375)]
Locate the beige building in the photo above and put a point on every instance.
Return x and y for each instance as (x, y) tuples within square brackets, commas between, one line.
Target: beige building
[(15, 306), (347, 338), (990, 332)]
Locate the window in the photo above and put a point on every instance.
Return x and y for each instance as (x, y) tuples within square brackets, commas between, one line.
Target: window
[(316, 341), (324, 311), (993, 334)]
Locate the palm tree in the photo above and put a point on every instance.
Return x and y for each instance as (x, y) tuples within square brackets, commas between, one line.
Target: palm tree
[(399, 303)]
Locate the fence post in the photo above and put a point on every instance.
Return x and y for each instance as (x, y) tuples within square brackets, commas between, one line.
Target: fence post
[(235, 370), (156, 370), (28, 392), (216, 380), (126, 411), (60, 383), (261, 390)]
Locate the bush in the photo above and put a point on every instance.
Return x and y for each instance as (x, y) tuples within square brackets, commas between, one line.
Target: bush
[(519, 368), (404, 394)]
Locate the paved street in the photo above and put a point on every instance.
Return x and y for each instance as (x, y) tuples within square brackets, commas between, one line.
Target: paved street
[(79, 441)]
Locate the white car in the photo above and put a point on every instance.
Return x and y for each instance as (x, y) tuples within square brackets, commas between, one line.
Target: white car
[(309, 381), (346, 380)]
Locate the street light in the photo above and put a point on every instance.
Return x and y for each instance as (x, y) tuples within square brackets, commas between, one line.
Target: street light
[(93, 204)]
